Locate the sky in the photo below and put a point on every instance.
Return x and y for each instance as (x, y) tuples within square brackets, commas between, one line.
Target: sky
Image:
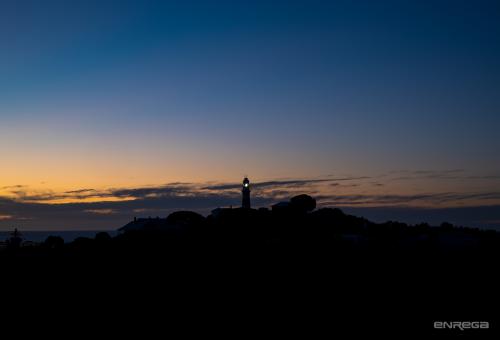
[(114, 109)]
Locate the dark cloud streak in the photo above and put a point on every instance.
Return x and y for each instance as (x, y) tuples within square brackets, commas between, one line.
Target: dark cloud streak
[(35, 211)]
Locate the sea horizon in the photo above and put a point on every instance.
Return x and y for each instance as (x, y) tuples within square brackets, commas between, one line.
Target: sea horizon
[(67, 235)]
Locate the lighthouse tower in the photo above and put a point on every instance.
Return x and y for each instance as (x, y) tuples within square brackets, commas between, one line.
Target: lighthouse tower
[(246, 194)]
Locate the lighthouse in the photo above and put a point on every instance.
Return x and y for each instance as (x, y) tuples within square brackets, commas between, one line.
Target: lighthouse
[(245, 203)]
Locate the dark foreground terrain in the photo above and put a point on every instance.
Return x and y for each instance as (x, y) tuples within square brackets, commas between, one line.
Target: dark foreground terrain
[(289, 272)]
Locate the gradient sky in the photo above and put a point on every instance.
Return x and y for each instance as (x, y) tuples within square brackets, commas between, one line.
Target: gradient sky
[(362, 103)]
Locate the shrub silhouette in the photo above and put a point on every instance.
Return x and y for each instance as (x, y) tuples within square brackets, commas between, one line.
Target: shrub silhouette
[(303, 203), (102, 237), (54, 242)]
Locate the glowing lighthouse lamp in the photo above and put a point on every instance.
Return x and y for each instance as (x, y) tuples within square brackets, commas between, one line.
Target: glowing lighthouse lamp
[(245, 203)]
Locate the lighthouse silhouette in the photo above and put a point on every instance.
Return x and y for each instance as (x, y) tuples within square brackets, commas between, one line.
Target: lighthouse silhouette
[(245, 204)]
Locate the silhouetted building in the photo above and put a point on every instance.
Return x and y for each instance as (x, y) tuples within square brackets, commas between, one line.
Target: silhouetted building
[(246, 194)]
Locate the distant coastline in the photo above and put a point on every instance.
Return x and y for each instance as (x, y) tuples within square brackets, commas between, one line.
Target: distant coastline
[(67, 235)]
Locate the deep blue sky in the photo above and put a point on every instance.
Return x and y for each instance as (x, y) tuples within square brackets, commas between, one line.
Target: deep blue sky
[(113, 94)]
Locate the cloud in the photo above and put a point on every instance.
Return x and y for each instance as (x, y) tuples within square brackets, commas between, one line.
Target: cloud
[(396, 200), (453, 174), (17, 186), (185, 193), (112, 215), (100, 211), (177, 189), (113, 207), (348, 178), (267, 184), (80, 191), (26, 195), (148, 192)]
